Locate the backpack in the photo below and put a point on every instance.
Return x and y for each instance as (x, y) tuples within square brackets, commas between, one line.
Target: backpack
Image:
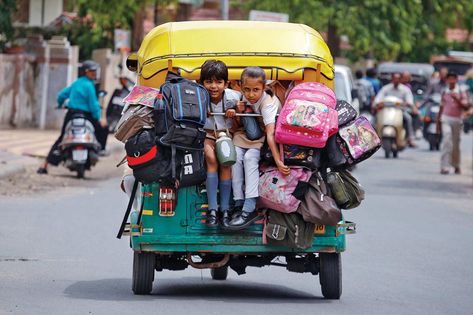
[(138, 112), (287, 229), (150, 162), (316, 204), (276, 190), (354, 143), (308, 117), (294, 155), (192, 168), (181, 113), (346, 113)]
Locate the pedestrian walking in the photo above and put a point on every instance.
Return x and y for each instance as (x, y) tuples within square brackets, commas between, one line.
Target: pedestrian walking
[(453, 104)]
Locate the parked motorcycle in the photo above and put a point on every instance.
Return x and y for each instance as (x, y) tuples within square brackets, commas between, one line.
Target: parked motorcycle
[(79, 146), (115, 105), (389, 125), (432, 108)]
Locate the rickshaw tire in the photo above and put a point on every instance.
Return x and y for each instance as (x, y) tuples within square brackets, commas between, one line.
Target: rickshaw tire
[(143, 272), (330, 275), (219, 273)]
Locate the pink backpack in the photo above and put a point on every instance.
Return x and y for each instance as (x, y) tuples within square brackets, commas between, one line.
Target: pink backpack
[(275, 189), (308, 117)]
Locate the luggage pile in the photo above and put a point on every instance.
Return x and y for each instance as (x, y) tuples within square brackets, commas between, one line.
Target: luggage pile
[(163, 132), (319, 139)]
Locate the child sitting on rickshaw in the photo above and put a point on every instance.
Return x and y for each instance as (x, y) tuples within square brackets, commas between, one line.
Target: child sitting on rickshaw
[(214, 77), (245, 172)]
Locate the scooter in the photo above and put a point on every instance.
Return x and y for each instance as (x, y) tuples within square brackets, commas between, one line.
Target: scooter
[(389, 125), (115, 105), (79, 146), (432, 108)]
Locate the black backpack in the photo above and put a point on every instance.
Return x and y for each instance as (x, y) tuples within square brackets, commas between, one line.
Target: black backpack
[(181, 113), (180, 116), (150, 162)]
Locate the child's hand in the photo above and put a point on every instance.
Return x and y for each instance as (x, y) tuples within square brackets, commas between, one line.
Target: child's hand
[(240, 107), (285, 170), (230, 113)]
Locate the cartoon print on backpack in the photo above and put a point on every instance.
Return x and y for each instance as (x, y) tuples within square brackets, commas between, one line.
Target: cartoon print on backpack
[(359, 138), (304, 114)]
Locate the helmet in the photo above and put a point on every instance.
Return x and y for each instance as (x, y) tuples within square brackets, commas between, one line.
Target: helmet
[(90, 65)]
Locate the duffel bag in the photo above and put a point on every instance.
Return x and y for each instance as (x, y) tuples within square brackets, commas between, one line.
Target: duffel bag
[(287, 229)]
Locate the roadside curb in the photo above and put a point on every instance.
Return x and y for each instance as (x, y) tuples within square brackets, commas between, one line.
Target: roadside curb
[(9, 169)]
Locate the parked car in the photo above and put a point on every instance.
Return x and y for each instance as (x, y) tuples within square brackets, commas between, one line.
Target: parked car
[(344, 86)]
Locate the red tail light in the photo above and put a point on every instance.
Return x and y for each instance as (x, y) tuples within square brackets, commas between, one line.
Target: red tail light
[(167, 202), (79, 147)]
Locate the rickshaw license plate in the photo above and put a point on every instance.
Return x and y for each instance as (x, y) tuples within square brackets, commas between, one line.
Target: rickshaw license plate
[(319, 229)]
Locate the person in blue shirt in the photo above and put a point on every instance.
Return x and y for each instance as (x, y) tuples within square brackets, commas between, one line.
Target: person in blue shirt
[(83, 99), (371, 77)]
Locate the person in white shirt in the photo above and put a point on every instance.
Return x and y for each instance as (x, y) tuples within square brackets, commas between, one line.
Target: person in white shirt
[(395, 88)]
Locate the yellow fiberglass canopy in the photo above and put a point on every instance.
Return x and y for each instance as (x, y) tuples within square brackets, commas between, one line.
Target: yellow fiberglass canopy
[(285, 51)]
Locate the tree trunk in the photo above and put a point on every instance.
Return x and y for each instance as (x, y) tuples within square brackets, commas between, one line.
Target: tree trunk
[(333, 40)]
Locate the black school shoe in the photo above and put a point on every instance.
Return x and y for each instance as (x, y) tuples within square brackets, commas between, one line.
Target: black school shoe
[(225, 219), (211, 219), (242, 220)]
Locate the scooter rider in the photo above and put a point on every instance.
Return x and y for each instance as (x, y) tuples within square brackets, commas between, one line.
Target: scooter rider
[(395, 88), (82, 99)]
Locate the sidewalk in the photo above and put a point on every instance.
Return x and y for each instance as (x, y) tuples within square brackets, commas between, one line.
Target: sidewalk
[(23, 147)]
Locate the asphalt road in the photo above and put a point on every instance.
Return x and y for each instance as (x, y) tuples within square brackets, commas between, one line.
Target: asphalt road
[(412, 254)]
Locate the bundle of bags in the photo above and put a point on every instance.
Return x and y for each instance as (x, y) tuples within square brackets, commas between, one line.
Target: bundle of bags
[(163, 132), (319, 138)]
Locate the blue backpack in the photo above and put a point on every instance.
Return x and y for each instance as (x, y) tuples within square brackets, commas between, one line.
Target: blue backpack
[(181, 113), (180, 116)]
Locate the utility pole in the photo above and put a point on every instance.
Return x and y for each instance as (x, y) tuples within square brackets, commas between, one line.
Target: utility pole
[(225, 8)]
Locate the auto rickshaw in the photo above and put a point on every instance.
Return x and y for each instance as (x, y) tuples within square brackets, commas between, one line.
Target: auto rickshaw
[(174, 240)]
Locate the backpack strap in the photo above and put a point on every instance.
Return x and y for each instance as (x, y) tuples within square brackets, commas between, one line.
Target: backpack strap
[(128, 209)]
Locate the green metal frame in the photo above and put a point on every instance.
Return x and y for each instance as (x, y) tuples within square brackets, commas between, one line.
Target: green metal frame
[(186, 230)]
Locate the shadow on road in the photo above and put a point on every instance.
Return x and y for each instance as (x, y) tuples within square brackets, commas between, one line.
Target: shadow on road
[(194, 288)]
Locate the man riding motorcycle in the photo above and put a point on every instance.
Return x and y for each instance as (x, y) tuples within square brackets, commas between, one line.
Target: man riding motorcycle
[(395, 88), (82, 99)]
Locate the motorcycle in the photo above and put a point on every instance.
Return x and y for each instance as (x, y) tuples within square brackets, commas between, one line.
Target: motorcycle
[(115, 105), (79, 146), (389, 125), (432, 108)]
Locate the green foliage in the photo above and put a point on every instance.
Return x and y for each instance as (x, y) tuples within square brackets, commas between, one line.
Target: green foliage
[(7, 8), (96, 23), (385, 29)]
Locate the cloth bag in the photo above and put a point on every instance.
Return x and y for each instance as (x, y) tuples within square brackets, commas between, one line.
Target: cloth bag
[(287, 229), (345, 189), (316, 205)]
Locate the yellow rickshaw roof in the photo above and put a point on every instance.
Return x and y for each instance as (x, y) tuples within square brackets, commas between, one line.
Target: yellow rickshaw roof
[(186, 45)]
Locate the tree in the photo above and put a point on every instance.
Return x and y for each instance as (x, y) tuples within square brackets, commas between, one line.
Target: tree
[(7, 8), (97, 20), (386, 29)]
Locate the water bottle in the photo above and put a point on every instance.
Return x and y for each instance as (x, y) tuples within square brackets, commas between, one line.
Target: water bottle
[(226, 153)]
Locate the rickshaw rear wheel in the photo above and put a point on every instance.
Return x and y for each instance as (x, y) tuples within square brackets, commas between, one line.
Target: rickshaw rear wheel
[(219, 273), (143, 272), (330, 276)]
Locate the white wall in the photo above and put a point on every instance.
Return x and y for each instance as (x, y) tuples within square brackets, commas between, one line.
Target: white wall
[(52, 9)]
